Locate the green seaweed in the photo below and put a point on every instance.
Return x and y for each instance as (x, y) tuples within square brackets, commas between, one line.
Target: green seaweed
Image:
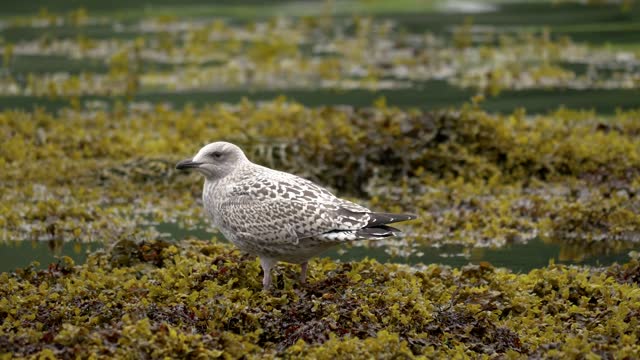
[(299, 53), (473, 178), (203, 299)]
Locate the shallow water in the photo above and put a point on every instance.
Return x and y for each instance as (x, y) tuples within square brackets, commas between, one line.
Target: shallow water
[(19, 254), (517, 257)]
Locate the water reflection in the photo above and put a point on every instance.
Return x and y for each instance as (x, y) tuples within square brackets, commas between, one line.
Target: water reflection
[(517, 257), (577, 252), (19, 254)]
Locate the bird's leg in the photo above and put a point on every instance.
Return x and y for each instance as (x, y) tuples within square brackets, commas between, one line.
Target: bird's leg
[(266, 264), (303, 272)]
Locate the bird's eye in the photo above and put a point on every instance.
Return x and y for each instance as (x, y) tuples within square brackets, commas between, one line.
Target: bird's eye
[(216, 154)]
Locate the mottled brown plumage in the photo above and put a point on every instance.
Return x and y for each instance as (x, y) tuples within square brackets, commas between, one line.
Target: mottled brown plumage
[(279, 216)]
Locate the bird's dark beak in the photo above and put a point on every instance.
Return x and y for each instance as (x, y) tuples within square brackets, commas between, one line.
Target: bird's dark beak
[(187, 164)]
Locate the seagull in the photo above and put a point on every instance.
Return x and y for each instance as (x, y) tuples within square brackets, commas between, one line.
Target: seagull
[(278, 216)]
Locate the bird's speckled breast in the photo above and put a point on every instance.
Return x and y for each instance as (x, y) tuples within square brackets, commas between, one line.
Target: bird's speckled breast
[(210, 201), (213, 194)]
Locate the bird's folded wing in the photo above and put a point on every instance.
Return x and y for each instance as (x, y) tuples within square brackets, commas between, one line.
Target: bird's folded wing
[(284, 220)]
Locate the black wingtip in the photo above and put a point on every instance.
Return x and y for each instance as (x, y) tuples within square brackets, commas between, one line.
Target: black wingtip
[(411, 216), (378, 219)]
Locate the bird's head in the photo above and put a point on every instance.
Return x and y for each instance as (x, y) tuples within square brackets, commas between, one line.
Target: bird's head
[(215, 160)]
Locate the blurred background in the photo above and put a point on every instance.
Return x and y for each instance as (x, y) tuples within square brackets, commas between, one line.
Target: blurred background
[(425, 53), (519, 116)]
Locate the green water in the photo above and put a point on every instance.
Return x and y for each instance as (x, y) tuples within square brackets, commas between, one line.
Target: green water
[(20, 254), (431, 95), (517, 257)]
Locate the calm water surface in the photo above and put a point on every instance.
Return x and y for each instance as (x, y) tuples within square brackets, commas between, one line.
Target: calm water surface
[(517, 257)]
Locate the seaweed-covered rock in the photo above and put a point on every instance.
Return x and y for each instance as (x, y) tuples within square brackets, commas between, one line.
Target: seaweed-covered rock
[(473, 178), (205, 300)]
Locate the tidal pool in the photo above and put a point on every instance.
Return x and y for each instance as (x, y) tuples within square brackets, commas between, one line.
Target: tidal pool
[(516, 257)]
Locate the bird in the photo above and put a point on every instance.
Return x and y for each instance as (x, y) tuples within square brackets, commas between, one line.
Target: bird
[(278, 216)]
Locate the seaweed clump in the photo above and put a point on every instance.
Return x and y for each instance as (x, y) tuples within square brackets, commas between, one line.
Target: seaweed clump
[(473, 178), (204, 300)]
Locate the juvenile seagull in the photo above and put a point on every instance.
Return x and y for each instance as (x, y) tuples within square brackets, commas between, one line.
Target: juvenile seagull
[(279, 216)]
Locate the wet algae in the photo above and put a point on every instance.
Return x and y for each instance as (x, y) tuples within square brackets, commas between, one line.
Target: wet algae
[(474, 178), (99, 170), (199, 299)]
